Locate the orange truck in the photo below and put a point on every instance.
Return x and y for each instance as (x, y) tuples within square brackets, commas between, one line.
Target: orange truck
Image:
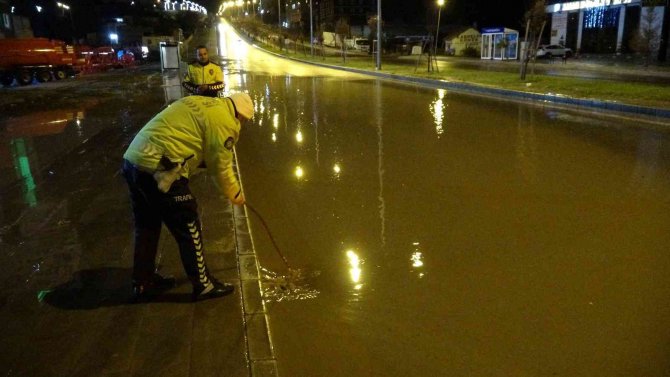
[(25, 59)]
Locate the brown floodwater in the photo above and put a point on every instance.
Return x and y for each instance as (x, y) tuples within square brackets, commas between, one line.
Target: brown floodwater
[(443, 234)]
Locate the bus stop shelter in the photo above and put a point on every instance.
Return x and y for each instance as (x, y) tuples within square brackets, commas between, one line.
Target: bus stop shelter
[(500, 43)]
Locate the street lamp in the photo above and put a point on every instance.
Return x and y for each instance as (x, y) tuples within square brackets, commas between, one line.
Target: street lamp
[(440, 4), (66, 7)]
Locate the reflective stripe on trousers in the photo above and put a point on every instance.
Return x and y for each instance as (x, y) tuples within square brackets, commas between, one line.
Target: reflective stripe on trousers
[(178, 209)]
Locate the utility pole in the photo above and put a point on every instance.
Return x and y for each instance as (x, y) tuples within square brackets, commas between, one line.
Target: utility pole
[(66, 7), (311, 30), (440, 3)]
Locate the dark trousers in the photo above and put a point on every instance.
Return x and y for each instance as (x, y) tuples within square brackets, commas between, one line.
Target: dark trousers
[(178, 210)]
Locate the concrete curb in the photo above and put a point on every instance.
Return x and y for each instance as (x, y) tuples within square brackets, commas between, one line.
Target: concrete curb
[(259, 349), (500, 93)]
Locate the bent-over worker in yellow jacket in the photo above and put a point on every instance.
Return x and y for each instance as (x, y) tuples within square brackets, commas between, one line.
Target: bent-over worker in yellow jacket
[(191, 132)]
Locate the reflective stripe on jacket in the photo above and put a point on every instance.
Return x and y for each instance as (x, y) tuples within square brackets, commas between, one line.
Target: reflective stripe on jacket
[(199, 75)]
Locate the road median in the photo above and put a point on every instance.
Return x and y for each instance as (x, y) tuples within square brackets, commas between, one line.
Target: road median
[(640, 98)]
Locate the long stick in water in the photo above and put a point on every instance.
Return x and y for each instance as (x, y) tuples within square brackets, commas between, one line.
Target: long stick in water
[(269, 234)]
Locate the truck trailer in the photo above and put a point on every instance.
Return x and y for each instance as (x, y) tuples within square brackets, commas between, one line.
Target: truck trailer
[(23, 59)]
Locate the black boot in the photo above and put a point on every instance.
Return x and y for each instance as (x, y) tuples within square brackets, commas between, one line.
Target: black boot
[(213, 290), (157, 284)]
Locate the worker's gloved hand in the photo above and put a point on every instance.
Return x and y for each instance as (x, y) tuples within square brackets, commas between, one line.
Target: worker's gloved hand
[(239, 200), (201, 89)]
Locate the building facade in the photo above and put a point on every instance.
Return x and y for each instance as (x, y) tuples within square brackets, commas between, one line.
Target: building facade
[(607, 26), (468, 39), (356, 12), (13, 25), (6, 26)]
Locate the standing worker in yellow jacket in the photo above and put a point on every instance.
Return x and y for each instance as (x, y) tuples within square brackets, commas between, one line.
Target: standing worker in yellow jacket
[(192, 132), (203, 77)]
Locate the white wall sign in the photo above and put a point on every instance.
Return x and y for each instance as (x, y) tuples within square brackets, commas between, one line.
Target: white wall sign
[(559, 26)]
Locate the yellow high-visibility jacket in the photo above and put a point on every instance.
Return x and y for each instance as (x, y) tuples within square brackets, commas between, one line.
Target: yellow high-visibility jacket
[(194, 129), (210, 75)]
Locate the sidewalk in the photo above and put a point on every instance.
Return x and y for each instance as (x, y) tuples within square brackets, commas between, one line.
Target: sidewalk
[(588, 68), (66, 237), (597, 67), (86, 326)]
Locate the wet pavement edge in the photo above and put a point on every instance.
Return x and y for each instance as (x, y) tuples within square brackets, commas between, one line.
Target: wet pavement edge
[(260, 352)]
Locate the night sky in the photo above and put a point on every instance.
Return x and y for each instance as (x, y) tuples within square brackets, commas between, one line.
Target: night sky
[(507, 13), (492, 12), (419, 15)]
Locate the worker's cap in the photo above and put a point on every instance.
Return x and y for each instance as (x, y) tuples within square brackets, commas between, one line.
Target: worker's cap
[(243, 104)]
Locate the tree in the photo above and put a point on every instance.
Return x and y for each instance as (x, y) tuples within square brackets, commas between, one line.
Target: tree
[(662, 47), (296, 35), (188, 21), (646, 39), (665, 29), (372, 24), (343, 30), (502, 45), (536, 19)]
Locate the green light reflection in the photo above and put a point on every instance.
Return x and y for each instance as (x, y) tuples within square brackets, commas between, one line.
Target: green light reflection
[(22, 165)]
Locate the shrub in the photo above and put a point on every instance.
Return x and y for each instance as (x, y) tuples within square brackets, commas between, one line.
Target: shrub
[(470, 52)]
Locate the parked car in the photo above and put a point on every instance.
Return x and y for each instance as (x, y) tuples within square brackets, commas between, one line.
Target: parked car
[(362, 44), (399, 45), (547, 51), (404, 44)]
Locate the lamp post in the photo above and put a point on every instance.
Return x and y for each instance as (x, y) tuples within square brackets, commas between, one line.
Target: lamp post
[(66, 7), (440, 4), (279, 13), (379, 36), (311, 30)]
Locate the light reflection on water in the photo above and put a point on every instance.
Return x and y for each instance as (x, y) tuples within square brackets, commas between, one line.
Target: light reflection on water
[(17, 136), (437, 109), (355, 270)]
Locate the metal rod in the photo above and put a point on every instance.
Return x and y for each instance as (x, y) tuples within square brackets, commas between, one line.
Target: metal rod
[(269, 234)]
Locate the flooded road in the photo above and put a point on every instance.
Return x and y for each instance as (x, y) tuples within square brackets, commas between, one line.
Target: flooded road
[(457, 235)]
